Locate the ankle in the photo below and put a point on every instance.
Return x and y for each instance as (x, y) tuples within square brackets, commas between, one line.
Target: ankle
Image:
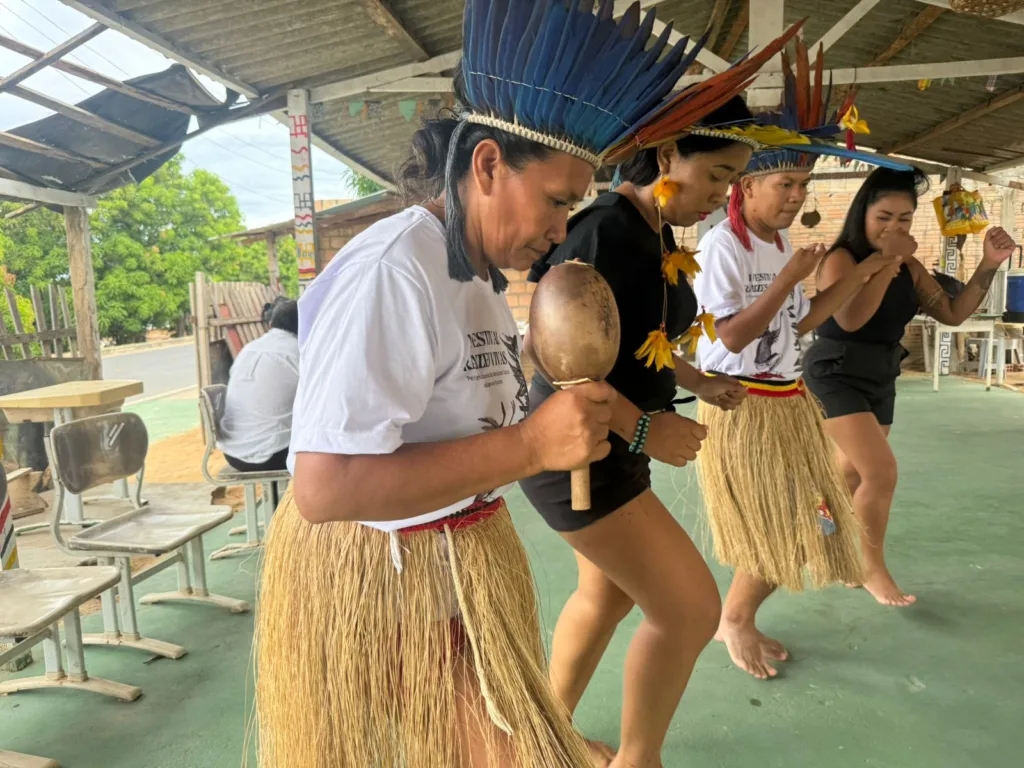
[(636, 759), (736, 621)]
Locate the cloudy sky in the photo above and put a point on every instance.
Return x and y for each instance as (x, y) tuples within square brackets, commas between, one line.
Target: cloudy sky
[(251, 156)]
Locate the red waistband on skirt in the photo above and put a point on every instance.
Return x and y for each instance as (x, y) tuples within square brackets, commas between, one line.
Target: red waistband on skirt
[(471, 515)]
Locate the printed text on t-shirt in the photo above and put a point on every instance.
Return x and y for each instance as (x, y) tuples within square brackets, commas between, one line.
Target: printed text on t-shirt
[(758, 282)]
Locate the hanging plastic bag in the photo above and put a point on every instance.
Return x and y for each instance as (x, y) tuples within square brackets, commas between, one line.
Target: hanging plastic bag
[(979, 218), (960, 212)]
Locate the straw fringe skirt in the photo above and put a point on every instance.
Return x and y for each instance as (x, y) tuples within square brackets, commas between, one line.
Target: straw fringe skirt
[(777, 503), (357, 661)]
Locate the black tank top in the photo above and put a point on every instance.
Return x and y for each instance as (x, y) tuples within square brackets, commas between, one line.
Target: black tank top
[(887, 325)]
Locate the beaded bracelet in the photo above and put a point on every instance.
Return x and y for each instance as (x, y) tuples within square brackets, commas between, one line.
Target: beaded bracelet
[(640, 437)]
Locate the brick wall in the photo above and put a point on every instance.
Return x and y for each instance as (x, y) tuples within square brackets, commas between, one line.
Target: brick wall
[(834, 197), (331, 239)]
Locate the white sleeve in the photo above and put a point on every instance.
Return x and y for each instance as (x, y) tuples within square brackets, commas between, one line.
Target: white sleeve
[(719, 284), (802, 303), (367, 365)]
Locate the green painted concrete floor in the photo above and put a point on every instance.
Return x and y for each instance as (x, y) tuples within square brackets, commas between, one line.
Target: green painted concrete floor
[(938, 685)]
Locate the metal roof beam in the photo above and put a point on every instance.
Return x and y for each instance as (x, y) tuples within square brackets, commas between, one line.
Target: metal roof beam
[(905, 72), (383, 16), (738, 28), (52, 55), (37, 194), (97, 10), (1006, 165), (845, 24), (434, 65), (27, 145), (95, 77), (364, 83), (1004, 99), (910, 32), (84, 116)]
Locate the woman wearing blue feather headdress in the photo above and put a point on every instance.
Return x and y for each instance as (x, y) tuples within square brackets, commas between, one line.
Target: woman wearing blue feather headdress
[(776, 502), (398, 623)]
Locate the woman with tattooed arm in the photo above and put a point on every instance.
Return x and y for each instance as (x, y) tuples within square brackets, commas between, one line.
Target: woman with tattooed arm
[(853, 365)]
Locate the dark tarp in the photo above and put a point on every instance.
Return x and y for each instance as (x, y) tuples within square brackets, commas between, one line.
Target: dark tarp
[(175, 83)]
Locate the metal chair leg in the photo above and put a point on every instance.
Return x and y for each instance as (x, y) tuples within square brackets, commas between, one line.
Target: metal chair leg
[(251, 528), (128, 635), (75, 676), (192, 554)]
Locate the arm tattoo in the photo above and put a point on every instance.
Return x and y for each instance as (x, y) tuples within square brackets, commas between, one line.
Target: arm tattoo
[(985, 279), (933, 300)]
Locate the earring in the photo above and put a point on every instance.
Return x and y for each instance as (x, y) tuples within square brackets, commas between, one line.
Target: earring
[(664, 191)]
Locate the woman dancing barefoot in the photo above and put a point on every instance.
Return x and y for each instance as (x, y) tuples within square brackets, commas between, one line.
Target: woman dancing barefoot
[(853, 365)]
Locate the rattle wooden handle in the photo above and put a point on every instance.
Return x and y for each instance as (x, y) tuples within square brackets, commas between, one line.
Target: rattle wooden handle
[(581, 489)]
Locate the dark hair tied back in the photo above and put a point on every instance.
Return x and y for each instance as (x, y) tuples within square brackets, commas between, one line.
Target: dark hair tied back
[(642, 169), (441, 155)]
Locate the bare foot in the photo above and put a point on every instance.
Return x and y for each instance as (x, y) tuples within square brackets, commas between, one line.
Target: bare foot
[(622, 762), (601, 755), (882, 587), (751, 650)]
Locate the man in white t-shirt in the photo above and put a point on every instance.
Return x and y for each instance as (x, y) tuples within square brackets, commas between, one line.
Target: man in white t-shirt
[(751, 281), (257, 424)]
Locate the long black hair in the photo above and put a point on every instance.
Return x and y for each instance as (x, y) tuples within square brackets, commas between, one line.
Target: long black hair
[(440, 157), (880, 183), (642, 169)]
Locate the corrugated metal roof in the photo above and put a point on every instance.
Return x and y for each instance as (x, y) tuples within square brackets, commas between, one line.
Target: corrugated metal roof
[(158, 123), (271, 43)]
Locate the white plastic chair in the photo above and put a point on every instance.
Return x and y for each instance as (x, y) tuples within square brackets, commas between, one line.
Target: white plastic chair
[(94, 451), (211, 413), (32, 604)]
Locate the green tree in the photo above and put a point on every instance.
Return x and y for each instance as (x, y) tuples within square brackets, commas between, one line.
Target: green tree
[(151, 238), (33, 247), (361, 185)]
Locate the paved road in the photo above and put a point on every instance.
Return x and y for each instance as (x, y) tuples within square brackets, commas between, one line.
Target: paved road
[(160, 370)]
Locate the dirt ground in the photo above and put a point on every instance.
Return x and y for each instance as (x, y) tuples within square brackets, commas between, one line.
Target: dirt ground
[(178, 460)]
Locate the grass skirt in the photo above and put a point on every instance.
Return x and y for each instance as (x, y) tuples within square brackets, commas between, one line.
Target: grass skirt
[(764, 471), (356, 660)]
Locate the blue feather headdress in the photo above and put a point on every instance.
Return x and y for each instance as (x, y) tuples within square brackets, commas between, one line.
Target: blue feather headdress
[(801, 130), (566, 74)]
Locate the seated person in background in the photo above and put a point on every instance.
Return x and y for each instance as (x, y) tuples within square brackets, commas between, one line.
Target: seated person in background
[(257, 423)]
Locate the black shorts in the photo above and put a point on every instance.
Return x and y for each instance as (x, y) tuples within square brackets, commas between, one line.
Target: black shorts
[(614, 482), (853, 377), (278, 461)]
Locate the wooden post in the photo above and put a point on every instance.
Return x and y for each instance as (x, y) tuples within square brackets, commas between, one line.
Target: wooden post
[(1008, 221), (950, 260), (766, 24), (302, 186), (273, 269), (83, 288), (201, 329)]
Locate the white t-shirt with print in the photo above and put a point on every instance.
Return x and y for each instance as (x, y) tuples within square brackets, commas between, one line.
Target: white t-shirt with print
[(731, 279), (394, 351)]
